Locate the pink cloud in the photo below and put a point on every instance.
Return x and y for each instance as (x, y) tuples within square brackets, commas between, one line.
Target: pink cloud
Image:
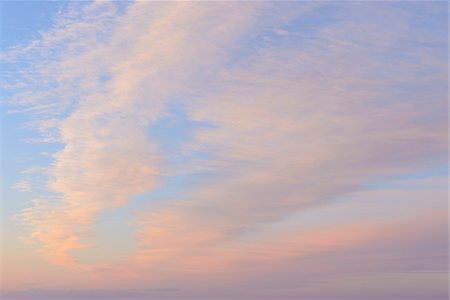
[(293, 125)]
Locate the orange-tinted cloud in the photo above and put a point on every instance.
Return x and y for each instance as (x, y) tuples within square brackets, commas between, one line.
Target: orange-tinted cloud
[(293, 122)]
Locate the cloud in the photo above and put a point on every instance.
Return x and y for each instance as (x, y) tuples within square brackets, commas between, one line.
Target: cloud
[(348, 242), (292, 122), (22, 185), (103, 124), (294, 129)]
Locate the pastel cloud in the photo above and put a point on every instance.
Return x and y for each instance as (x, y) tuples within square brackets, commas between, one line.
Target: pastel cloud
[(205, 257), (293, 121)]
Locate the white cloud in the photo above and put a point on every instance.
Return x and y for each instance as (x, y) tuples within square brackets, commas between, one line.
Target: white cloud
[(22, 185)]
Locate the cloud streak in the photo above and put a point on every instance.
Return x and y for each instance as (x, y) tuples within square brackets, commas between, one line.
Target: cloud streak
[(295, 114)]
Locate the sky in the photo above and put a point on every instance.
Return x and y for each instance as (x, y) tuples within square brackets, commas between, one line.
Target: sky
[(224, 150)]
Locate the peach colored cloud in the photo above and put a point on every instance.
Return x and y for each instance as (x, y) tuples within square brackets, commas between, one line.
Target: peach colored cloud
[(107, 156), (294, 122)]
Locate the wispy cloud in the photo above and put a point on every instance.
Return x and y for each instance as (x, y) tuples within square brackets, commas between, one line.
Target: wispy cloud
[(296, 114)]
